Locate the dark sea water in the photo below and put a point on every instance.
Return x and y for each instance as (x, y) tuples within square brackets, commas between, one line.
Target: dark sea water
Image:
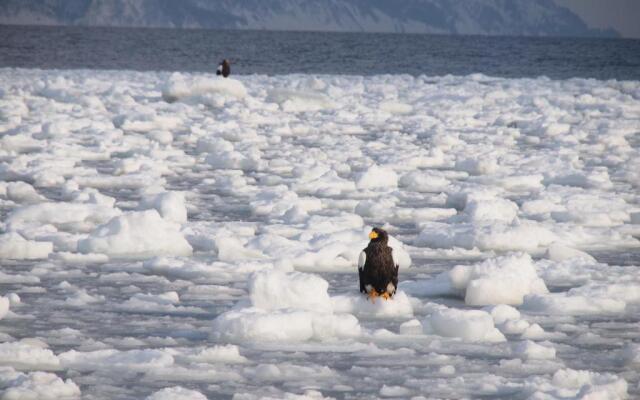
[(265, 52)]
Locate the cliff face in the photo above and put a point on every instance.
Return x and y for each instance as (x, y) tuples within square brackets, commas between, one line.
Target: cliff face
[(485, 17)]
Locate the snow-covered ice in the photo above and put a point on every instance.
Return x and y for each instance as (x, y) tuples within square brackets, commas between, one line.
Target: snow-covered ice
[(500, 280), (179, 236)]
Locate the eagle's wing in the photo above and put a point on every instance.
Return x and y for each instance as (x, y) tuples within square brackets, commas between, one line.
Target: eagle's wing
[(362, 260), (395, 264), (394, 277)]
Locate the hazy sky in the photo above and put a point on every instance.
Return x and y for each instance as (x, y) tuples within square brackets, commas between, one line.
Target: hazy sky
[(621, 15)]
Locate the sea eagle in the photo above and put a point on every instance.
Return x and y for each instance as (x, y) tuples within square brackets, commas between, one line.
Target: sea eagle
[(224, 68), (377, 270)]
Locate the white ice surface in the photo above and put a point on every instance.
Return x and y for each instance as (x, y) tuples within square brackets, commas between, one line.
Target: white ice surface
[(136, 234), (289, 307), (502, 280), (14, 246), (178, 235), (5, 302), (177, 393), (40, 386), (468, 325)]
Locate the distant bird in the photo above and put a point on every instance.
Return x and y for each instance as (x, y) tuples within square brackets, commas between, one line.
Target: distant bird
[(377, 270), (224, 68)]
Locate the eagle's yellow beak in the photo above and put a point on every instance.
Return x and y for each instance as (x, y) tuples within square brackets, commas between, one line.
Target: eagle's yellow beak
[(373, 235)]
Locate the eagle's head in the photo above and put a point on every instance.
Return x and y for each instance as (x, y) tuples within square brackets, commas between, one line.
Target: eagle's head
[(378, 235)]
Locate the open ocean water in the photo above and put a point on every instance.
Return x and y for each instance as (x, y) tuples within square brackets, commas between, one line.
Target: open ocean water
[(277, 53)]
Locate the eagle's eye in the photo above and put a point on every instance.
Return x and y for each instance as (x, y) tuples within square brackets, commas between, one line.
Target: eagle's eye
[(373, 235)]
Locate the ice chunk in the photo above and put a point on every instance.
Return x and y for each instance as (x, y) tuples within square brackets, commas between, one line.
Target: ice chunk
[(379, 208), (227, 157), (477, 166), (274, 290), (167, 302), (228, 354), (281, 312), (80, 298), (447, 370), (572, 304), (308, 395), (80, 259), (529, 350), (300, 101), (597, 178), (253, 324), (170, 205), (4, 306), (584, 207), (80, 217), (502, 280), (176, 393), (577, 384), (397, 307), (130, 360), (88, 195), (136, 235), (423, 181), (517, 236), (277, 200), (631, 354), (468, 325), (497, 209), (14, 299), (502, 313), (22, 192), (326, 185), (376, 177), (180, 87), (394, 391), (395, 107), (14, 246), (40, 386), (559, 252), (27, 356), (411, 327)]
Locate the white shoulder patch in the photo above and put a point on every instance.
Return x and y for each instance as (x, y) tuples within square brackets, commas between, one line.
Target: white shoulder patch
[(362, 260)]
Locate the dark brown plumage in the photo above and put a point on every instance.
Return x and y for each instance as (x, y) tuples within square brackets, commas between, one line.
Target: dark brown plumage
[(224, 68), (376, 268)]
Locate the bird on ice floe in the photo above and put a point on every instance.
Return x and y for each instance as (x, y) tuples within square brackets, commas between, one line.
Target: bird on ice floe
[(224, 68), (377, 270)]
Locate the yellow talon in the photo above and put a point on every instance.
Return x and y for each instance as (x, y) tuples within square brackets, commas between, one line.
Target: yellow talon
[(372, 295), (385, 296)]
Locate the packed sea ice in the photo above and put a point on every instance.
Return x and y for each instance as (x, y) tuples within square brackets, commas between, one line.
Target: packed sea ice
[(183, 236)]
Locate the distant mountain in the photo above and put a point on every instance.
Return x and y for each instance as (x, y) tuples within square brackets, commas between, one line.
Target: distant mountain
[(484, 17)]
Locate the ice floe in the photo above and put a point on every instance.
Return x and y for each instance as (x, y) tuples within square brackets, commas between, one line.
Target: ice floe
[(469, 325), (176, 393), (27, 355), (14, 246), (136, 234), (40, 386), (201, 235), (283, 306), (502, 280)]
